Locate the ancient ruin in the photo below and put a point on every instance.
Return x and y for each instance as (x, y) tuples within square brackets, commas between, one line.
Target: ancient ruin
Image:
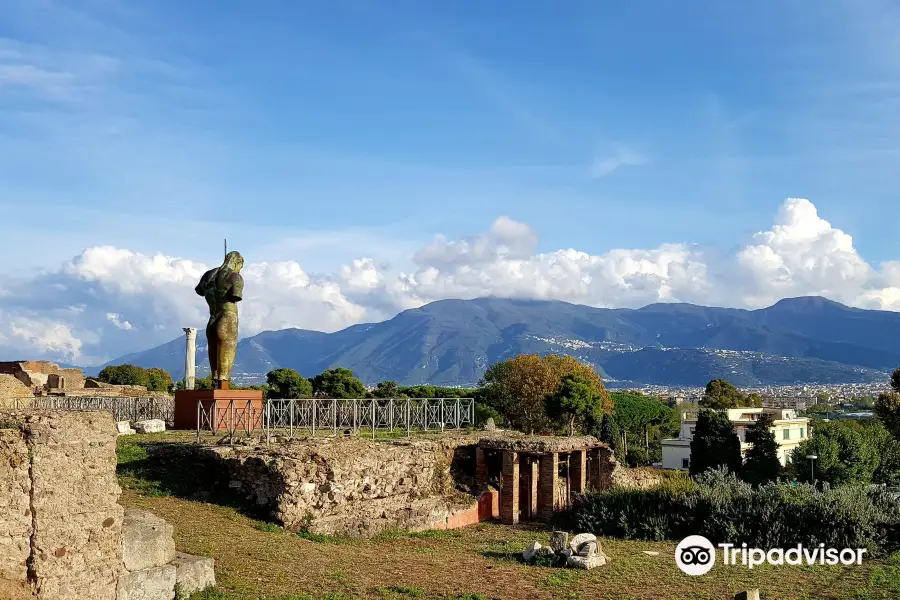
[(42, 376), (539, 475), (354, 486), (190, 356), (67, 537)]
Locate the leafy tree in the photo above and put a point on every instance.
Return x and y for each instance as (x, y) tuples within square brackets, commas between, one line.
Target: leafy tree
[(895, 380), (575, 402), (715, 444), (843, 455), (608, 432), (200, 383), (387, 389), (762, 464), (754, 400), (159, 380), (721, 394), (338, 383), (483, 412), (126, 374), (644, 420), (637, 457), (517, 388), (435, 391), (887, 409), (888, 451), (288, 383)]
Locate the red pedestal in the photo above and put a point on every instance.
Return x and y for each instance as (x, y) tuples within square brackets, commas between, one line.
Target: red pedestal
[(222, 410)]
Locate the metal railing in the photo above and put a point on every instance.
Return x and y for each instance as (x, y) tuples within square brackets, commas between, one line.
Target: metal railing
[(123, 408), (330, 415)]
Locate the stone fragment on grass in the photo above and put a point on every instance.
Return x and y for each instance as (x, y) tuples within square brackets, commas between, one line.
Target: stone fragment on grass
[(559, 540), (585, 562), (124, 428), (150, 426), (580, 539), (531, 551), (588, 549)]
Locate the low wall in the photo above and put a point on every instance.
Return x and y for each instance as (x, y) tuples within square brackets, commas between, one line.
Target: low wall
[(352, 486), (59, 505), (638, 478)]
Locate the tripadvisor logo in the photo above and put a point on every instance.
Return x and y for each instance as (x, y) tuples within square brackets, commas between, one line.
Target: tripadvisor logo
[(696, 555)]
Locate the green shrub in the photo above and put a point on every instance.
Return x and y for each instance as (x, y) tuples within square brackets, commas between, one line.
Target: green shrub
[(483, 412), (723, 508)]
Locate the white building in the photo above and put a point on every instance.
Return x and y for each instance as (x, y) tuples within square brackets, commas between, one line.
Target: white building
[(789, 430)]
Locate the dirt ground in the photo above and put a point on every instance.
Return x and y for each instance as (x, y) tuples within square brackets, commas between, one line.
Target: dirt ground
[(256, 560)]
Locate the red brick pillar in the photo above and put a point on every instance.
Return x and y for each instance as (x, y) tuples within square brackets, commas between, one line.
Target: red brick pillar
[(533, 478), (509, 495), (593, 468), (548, 482), (481, 471), (578, 472)]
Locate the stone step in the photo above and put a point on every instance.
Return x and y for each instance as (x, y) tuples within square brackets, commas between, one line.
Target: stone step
[(146, 540), (157, 583), (193, 573)]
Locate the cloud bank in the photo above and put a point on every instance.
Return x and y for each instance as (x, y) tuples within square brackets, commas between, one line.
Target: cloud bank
[(108, 301)]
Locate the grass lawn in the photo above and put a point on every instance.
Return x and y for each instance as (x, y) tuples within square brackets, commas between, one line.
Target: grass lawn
[(256, 560)]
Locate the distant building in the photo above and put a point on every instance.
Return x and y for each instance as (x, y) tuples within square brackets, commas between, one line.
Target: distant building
[(789, 429), (794, 402)]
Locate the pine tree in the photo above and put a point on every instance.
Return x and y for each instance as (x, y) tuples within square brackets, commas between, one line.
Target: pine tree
[(608, 433), (762, 464), (715, 444)]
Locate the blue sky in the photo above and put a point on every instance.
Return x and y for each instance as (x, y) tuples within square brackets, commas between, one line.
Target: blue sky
[(323, 132), (405, 119)]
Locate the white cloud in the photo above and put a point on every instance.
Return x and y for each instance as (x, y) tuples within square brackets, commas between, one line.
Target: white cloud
[(43, 336), (621, 156), (118, 321), (803, 254), (78, 309)]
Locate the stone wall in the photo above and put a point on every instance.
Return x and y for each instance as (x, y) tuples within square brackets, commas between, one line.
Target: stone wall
[(37, 373), (15, 505), (353, 486), (59, 493), (639, 478)]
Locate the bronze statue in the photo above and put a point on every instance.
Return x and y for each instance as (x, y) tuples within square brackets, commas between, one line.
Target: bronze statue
[(223, 288)]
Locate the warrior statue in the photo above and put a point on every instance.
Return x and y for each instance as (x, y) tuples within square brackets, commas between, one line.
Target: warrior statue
[(223, 288)]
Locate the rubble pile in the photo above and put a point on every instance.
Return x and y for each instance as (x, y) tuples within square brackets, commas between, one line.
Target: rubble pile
[(582, 552)]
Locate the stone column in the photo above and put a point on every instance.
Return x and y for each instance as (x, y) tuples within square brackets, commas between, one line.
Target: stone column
[(189, 357), (509, 495), (548, 482), (533, 479), (578, 472), (481, 471)]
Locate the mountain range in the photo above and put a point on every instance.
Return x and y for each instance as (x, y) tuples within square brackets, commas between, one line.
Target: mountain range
[(452, 342)]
